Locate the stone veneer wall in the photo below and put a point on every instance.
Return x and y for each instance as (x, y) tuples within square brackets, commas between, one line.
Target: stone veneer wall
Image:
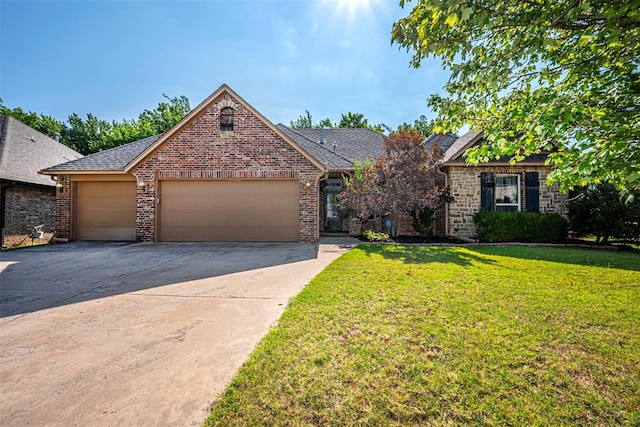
[(202, 151), (465, 188), (26, 207)]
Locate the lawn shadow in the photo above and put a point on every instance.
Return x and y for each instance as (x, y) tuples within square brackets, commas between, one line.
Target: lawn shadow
[(564, 255), (426, 254)]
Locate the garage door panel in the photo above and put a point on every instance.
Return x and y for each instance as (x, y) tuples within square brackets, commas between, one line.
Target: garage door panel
[(106, 211), (229, 210)]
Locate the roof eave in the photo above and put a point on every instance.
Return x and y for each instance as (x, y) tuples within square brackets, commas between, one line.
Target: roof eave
[(82, 172), (489, 164)]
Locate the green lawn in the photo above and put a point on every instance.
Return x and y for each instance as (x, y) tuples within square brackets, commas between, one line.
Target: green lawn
[(391, 335)]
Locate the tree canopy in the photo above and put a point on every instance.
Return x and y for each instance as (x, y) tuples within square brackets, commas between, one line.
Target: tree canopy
[(537, 76), (347, 121), (92, 135), (404, 180)]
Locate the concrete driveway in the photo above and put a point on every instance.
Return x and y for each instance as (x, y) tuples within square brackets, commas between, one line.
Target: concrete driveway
[(138, 334)]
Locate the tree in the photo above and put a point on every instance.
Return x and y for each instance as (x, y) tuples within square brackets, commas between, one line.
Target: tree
[(306, 122), (357, 120), (403, 180), (600, 211), (40, 122), (347, 121), (92, 135), (536, 76), (421, 124)]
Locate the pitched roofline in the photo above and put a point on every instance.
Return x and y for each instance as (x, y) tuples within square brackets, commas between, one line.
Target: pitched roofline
[(201, 107), (82, 172), (320, 145), (472, 136)]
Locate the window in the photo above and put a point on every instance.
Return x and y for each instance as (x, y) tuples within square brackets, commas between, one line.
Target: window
[(332, 208), (502, 192), (226, 119), (507, 192)]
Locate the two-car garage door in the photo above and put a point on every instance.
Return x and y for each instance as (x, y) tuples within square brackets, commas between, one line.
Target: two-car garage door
[(219, 211)]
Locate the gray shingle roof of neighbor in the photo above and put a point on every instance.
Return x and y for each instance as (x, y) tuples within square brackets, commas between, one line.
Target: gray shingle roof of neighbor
[(24, 151), (114, 159), (444, 140), (351, 145)]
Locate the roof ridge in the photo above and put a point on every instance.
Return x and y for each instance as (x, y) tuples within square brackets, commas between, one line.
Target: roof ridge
[(312, 141)]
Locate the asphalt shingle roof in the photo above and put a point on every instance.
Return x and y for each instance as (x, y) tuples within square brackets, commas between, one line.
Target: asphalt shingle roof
[(24, 151), (443, 140), (113, 159), (351, 144)]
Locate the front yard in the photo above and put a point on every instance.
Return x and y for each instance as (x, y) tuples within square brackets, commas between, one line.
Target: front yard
[(391, 335)]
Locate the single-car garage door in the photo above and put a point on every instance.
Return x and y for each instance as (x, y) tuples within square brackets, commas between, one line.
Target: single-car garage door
[(229, 211), (106, 211)]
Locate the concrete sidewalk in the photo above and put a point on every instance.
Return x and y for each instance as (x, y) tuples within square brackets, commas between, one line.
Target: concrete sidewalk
[(138, 334)]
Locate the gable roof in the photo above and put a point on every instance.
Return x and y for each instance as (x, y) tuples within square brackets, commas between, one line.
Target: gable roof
[(24, 151), (351, 145), (455, 154), (203, 106), (113, 160), (458, 148)]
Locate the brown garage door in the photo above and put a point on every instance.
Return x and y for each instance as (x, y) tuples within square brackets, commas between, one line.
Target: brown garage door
[(229, 211), (106, 211)]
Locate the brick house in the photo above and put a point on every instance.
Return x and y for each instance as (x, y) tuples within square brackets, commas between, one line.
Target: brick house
[(223, 173), (27, 199)]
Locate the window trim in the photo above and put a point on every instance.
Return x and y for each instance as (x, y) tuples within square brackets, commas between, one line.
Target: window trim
[(227, 125), (517, 203)]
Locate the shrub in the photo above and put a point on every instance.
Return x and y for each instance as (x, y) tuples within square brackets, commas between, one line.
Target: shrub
[(604, 213), (422, 221), (374, 236), (520, 226)]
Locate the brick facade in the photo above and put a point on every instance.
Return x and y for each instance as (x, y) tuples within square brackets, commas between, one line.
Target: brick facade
[(465, 189), (27, 206), (200, 150)]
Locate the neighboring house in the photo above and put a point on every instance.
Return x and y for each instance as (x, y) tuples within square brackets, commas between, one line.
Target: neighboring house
[(27, 199), (496, 185), (223, 173)]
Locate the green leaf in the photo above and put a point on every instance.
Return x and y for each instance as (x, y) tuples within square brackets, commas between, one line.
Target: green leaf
[(451, 19)]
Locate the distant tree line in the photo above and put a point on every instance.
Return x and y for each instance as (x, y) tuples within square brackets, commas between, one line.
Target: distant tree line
[(357, 120), (92, 135)]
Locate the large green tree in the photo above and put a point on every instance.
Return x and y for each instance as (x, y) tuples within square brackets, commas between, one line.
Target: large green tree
[(538, 75)]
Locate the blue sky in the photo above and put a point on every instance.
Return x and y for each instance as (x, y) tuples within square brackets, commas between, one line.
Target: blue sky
[(116, 58)]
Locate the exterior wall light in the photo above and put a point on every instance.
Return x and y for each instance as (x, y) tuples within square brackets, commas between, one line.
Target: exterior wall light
[(142, 185), (60, 187), (307, 184)]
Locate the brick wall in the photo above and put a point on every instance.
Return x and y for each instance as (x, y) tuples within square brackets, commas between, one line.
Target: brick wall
[(28, 206), (465, 188), (63, 207), (201, 150)]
